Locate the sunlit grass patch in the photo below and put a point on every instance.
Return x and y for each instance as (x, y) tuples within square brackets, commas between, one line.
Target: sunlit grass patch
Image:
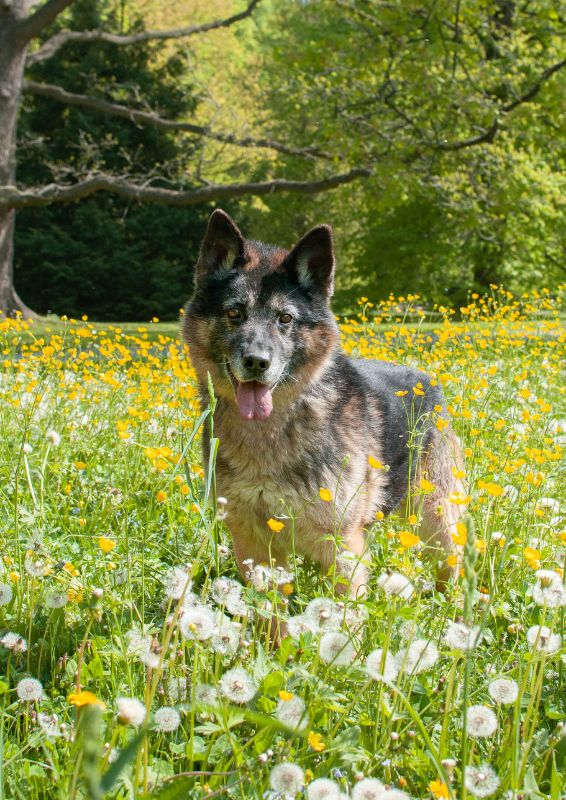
[(134, 658)]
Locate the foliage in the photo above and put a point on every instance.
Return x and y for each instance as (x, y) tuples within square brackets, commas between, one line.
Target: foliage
[(104, 256), (404, 87), (108, 548)]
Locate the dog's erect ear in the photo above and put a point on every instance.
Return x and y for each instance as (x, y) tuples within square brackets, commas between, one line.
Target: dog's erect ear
[(312, 260), (222, 245)]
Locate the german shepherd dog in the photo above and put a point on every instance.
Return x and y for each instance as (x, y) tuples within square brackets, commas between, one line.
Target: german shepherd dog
[(295, 414)]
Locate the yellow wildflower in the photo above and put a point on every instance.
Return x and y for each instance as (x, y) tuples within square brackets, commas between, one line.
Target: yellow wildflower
[(326, 495), (316, 742), (408, 539), (439, 789), (105, 544), (461, 535), (275, 525)]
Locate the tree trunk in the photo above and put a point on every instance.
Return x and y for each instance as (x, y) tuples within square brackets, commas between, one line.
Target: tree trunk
[(13, 49)]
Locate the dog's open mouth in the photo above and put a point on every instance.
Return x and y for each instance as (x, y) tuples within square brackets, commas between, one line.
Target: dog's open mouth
[(254, 399)]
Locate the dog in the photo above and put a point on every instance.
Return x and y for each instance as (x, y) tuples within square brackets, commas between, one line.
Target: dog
[(295, 415)]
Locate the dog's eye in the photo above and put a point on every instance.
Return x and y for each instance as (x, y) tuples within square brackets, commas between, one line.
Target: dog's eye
[(234, 313), (285, 319)]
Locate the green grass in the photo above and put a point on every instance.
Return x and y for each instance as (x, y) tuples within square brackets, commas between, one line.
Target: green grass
[(102, 496)]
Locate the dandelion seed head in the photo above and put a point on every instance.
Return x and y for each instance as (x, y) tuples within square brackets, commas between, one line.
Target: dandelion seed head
[(459, 636), (56, 599), (355, 618), (503, 691), (395, 584), (323, 614), (29, 690), (35, 566), (237, 686), (206, 695), (49, 725), (6, 594), (292, 713), (394, 794), (131, 711), (135, 642), (225, 638), (549, 590), (336, 648), (540, 637), (167, 719), (287, 779), (175, 582), (14, 642), (298, 625), (373, 667), (367, 789), (177, 689), (481, 721), (418, 657), (150, 658), (323, 789), (53, 438), (481, 781), (228, 593), (197, 623)]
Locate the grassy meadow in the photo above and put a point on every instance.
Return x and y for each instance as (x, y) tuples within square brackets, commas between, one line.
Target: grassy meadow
[(134, 662)]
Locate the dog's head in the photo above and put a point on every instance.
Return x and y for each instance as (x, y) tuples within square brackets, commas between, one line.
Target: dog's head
[(260, 320)]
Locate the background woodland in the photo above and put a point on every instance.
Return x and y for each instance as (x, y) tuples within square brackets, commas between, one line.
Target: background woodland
[(450, 112)]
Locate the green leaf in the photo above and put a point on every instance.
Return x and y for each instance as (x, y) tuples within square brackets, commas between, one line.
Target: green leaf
[(555, 782), (125, 757), (181, 789)]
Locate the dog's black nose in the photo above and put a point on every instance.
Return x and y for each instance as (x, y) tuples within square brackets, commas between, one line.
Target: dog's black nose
[(256, 361)]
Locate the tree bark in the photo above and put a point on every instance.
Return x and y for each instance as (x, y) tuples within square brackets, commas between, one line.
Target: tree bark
[(12, 60)]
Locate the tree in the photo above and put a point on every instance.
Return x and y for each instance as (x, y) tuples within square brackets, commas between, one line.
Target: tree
[(456, 107), (19, 27), (106, 256)]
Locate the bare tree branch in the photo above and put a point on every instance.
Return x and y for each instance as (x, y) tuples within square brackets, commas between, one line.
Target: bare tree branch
[(486, 136), (52, 45), (490, 133), (44, 16), (151, 118), (536, 87), (13, 197)]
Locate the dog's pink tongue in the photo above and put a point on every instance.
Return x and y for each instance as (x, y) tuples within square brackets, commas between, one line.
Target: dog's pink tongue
[(254, 400)]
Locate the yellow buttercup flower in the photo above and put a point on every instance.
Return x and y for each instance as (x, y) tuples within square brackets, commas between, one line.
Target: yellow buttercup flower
[(439, 789), (316, 742), (461, 535), (326, 495), (105, 544), (275, 525), (408, 539)]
